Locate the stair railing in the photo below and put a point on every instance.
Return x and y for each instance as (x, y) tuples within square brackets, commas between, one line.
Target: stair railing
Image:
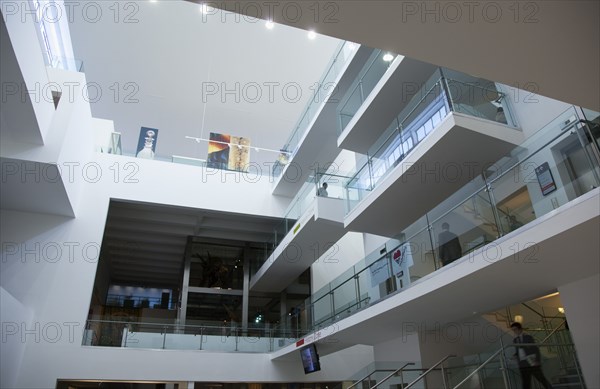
[(503, 363), (364, 378), (430, 370), (491, 358), (393, 374)]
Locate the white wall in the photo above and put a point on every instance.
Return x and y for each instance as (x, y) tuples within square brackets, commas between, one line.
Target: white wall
[(584, 321), (49, 266), (339, 258), (14, 315), (103, 130), (530, 110), (21, 28)]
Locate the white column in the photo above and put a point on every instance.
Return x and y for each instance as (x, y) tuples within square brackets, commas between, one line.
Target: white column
[(580, 300)]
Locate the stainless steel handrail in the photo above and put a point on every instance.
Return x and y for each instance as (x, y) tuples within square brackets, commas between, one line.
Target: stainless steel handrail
[(429, 370), (467, 378), (502, 350), (392, 374), (364, 378), (553, 331)]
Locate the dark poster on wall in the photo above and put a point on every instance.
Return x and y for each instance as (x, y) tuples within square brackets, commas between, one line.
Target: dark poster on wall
[(545, 179)]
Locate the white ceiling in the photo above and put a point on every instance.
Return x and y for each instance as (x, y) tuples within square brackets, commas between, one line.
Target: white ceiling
[(173, 50), (529, 45)]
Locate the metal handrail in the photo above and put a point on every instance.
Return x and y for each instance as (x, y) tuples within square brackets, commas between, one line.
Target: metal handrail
[(359, 81), (467, 378), (502, 350), (392, 374), (364, 378), (429, 370), (553, 331)]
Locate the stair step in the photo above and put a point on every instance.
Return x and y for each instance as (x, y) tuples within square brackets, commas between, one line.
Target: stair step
[(570, 385), (568, 378)]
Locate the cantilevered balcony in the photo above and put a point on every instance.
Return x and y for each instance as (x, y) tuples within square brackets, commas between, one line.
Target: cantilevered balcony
[(506, 224), (375, 100), (313, 224), (449, 134), (312, 143)]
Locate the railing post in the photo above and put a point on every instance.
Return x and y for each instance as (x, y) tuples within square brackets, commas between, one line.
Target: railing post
[(489, 190), (125, 335), (444, 380), (430, 233), (370, 166), (201, 336), (332, 306), (164, 336), (504, 367), (446, 90), (357, 285)]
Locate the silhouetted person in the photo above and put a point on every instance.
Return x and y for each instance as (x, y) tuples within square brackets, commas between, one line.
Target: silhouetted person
[(449, 246), (514, 223), (530, 359), (501, 116), (322, 191)]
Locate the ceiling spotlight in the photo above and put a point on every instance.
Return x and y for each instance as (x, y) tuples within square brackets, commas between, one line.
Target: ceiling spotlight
[(269, 24), (388, 57), (561, 310), (312, 35)]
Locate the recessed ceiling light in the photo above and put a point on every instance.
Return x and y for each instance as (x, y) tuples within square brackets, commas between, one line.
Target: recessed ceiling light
[(312, 35), (388, 57), (269, 24)]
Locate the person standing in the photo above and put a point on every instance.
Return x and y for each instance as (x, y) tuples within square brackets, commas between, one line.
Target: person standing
[(530, 359), (322, 191), (449, 246)]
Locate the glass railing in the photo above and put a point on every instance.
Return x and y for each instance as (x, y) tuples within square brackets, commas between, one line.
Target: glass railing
[(299, 205), (115, 144), (366, 81), (71, 64), (156, 335), (478, 214), (474, 217), (253, 170), (326, 87), (500, 368), (421, 117)]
